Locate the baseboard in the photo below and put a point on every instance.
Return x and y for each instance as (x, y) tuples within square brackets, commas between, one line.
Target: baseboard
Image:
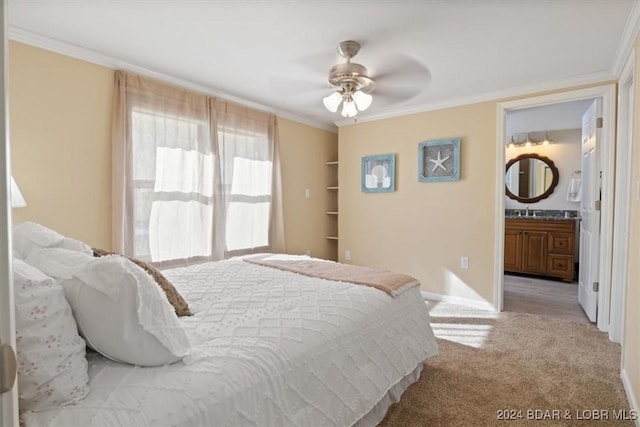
[(467, 302), (631, 396)]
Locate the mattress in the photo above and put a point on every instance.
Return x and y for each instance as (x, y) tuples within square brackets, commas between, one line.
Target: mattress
[(270, 348)]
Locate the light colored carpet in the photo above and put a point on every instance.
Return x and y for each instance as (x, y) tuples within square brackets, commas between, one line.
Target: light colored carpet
[(512, 361)]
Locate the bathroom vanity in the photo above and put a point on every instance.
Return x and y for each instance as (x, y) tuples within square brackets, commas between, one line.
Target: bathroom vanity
[(543, 246)]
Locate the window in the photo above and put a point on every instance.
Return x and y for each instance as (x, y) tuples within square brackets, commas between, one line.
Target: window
[(249, 164), (173, 187), (193, 175)]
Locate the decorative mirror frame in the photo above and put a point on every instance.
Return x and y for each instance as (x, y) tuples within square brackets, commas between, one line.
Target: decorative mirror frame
[(554, 181)]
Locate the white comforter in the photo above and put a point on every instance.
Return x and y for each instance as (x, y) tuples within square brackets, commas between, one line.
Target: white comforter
[(271, 348)]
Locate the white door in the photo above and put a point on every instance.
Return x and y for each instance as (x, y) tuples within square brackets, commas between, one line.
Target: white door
[(8, 400), (590, 213)]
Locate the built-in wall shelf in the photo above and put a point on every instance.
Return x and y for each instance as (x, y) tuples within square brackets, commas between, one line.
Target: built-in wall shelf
[(333, 208)]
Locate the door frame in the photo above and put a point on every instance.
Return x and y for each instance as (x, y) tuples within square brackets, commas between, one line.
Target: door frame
[(606, 92), (622, 207), (8, 400)]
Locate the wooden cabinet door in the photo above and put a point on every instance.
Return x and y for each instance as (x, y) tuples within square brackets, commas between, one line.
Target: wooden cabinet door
[(512, 250), (534, 251), (560, 266), (561, 243)]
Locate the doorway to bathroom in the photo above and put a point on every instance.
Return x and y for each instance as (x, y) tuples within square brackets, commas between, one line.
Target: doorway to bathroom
[(537, 243), (543, 198)]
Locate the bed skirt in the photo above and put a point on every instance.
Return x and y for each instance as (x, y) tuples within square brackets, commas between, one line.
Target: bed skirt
[(378, 412)]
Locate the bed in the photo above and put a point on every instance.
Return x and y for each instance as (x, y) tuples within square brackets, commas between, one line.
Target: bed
[(269, 348)]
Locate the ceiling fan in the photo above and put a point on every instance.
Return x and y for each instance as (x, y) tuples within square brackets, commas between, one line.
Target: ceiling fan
[(353, 85), (398, 78)]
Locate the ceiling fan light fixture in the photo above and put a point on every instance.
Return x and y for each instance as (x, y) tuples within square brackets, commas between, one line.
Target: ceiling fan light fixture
[(351, 81), (362, 100), (349, 108), (332, 102)]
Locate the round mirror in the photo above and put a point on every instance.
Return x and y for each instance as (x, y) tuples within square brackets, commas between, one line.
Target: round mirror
[(530, 178)]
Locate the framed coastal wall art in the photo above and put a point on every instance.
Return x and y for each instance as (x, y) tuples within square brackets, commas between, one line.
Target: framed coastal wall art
[(439, 160), (378, 173)]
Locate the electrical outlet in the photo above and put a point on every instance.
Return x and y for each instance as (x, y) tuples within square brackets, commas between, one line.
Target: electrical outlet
[(464, 262), (307, 193), (347, 255), (308, 252)]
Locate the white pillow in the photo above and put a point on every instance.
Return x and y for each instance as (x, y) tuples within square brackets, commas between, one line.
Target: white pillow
[(120, 310), (57, 262), (52, 367), (76, 245), (30, 236)]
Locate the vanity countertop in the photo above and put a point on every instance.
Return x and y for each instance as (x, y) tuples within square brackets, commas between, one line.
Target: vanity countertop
[(542, 214), (541, 218)]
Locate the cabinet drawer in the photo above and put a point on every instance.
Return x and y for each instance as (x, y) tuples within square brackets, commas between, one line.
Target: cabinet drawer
[(560, 265), (561, 243)]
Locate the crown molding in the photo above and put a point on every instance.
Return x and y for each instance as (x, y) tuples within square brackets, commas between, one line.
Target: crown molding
[(632, 27), (586, 79), (78, 52), (628, 40)]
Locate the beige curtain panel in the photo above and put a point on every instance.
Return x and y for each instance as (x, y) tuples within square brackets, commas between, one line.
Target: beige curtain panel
[(195, 178)]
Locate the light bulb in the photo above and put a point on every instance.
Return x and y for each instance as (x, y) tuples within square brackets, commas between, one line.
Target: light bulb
[(349, 109), (527, 144), (512, 145), (332, 102), (362, 100)]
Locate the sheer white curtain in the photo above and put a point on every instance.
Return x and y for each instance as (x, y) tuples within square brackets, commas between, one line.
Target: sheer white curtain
[(195, 178), (249, 172)]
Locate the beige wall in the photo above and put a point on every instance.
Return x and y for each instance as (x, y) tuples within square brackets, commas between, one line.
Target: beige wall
[(60, 124), (304, 152), (423, 229), (60, 112), (631, 343)]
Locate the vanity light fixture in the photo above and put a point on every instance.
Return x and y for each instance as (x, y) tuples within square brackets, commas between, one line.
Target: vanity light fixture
[(529, 142)]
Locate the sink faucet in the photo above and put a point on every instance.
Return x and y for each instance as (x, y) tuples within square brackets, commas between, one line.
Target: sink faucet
[(526, 211)]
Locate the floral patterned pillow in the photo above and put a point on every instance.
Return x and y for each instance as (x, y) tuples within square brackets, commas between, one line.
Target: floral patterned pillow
[(52, 367)]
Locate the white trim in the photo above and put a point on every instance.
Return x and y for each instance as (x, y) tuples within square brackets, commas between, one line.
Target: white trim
[(8, 401), (607, 93), (467, 302), (631, 396), (581, 80), (498, 268), (622, 207), (628, 40), (608, 168), (74, 51)]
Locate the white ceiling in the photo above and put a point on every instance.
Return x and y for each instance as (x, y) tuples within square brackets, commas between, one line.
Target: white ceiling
[(277, 54), (547, 118)]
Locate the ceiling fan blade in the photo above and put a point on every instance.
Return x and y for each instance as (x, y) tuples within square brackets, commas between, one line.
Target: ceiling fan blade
[(291, 87), (401, 77)]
